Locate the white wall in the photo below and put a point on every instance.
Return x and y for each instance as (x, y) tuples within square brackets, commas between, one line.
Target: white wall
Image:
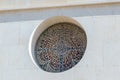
[(102, 57)]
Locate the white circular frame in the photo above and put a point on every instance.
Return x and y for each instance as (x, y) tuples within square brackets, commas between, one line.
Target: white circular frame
[(43, 26)]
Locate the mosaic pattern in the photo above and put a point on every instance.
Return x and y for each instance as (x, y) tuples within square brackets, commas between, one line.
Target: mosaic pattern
[(60, 47)]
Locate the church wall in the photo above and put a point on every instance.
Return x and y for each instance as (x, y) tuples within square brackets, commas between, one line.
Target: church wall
[(101, 60)]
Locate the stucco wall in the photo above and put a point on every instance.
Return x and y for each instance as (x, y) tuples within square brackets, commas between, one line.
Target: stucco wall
[(102, 57)]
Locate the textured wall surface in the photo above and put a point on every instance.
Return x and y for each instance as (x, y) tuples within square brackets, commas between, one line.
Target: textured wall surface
[(102, 57)]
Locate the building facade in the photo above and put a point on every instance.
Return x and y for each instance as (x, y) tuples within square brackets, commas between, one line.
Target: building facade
[(100, 20)]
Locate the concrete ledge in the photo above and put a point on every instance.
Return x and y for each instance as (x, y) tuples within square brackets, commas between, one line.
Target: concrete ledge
[(6, 6)]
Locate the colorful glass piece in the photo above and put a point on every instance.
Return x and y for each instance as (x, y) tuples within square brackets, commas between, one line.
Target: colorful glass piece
[(60, 47)]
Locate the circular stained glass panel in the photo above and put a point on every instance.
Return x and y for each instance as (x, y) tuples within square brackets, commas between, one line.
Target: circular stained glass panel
[(60, 47)]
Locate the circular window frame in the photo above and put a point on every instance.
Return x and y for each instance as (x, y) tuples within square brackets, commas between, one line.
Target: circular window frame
[(42, 27)]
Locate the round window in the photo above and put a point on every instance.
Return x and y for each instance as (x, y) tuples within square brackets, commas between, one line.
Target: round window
[(60, 47)]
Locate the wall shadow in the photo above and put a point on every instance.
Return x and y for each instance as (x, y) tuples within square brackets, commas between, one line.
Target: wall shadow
[(74, 11)]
